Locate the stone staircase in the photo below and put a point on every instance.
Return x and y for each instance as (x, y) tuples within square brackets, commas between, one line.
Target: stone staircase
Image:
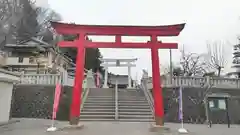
[(133, 106), (99, 105)]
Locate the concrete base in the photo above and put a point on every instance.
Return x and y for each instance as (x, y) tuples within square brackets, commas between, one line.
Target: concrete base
[(159, 129), (72, 127), (105, 87), (159, 120), (74, 120), (52, 129), (182, 131)]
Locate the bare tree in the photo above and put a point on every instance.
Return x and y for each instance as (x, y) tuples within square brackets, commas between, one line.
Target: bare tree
[(192, 63), (21, 20), (45, 15), (216, 56)]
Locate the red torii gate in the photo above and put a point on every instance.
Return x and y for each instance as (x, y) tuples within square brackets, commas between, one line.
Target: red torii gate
[(82, 42)]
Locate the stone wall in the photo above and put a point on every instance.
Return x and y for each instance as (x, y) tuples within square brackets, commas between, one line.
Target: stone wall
[(36, 101), (194, 109)]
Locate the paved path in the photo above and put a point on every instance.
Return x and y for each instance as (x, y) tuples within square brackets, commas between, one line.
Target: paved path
[(38, 127)]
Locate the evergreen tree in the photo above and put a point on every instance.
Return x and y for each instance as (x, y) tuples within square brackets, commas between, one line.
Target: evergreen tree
[(92, 55)]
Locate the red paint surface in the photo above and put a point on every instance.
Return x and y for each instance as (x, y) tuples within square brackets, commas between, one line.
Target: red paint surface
[(157, 89), (79, 76), (90, 44), (118, 31)]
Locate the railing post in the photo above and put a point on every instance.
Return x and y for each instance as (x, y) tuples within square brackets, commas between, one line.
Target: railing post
[(116, 100)]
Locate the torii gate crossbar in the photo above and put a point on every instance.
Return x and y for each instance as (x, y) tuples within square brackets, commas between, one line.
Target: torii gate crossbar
[(118, 31)]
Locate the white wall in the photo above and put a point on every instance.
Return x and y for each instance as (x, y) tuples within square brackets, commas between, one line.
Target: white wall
[(5, 100), (6, 85)]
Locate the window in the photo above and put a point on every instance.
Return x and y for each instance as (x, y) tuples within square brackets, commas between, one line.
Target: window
[(217, 104), (20, 59), (222, 104)]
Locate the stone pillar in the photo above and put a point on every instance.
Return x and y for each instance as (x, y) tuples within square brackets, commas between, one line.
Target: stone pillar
[(90, 80), (129, 76), (105, 85)]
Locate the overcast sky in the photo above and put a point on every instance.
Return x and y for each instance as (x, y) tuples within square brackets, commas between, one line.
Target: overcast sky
[(207, 20)]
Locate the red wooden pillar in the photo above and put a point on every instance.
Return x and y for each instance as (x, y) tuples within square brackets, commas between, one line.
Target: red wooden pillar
[(157, 88), (79, 76)]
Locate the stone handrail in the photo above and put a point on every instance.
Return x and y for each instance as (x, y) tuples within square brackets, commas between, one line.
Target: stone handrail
[(47, 79), (147, 93), (51, 79), (183, 81), (84, 93)]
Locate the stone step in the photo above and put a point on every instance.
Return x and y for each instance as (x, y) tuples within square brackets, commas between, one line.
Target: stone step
[(135, 120), (133, 107), (119, 101), (135, 117), (133, 104), (97, 113), (101, 97), (135, 113), (102, 89), (98, 109), (132, 99), (120, 120), (113, 104), (92, 99), (141, 92), (134, 110), (130, 92), (125, 90), (99, 103), (96, 119), (135, 101), (119, 96), (97, 116)]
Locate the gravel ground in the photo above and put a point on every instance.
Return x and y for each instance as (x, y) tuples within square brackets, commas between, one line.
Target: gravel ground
[(38, 127)]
